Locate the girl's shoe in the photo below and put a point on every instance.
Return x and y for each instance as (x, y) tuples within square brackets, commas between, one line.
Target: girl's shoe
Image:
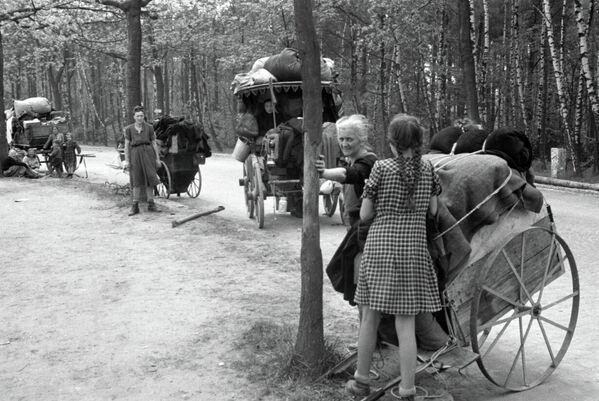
[(357, 388)]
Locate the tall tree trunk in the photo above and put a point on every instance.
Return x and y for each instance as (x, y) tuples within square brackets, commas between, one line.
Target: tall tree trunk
[(583, 31), (518, 68), (541, 97), (54, 79), (482, 85), (555, 54), (468, 70), (309, 344), (167, 87), (132, 10), (441, 99), (3, 142)]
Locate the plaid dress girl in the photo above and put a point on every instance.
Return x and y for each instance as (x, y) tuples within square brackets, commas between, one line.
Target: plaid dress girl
[(396, 274)]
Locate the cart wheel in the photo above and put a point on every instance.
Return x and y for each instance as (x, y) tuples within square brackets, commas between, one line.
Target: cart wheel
[(195, 186), (330, 203), (165, 186), (247, 192), (524, 309), (258, 196)]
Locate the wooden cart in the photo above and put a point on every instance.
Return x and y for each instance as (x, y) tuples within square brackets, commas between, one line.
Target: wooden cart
[(515, 308), (179, 173), (262, 178)]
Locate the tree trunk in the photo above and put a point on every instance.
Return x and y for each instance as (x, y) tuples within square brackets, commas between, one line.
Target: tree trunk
[(133, 57), (583, 31), (309, 345), (555, 54), (468, 70), (483, 93), (3, 143), (167, 87), (518, 68), (54, 78)]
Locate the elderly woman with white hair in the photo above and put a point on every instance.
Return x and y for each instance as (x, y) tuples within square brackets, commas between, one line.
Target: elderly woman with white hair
[(13, 167), (352, 135)]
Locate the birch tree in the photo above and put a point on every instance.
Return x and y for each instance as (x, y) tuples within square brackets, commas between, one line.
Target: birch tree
[(559, 81)]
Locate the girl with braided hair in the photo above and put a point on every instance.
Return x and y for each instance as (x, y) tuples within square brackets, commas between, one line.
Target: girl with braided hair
[(396, 274)]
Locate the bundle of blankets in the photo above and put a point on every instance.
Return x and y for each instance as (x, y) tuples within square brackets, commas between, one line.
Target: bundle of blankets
[(190, 137)]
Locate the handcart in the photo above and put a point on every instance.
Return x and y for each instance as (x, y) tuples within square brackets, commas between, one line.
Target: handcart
[(513, 302)]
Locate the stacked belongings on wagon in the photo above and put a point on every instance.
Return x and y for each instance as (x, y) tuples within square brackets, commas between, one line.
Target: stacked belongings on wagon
[(272, 122), (30, 122), (175, 135)]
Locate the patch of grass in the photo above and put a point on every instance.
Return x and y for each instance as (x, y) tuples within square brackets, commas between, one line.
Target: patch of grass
[(267, 357)]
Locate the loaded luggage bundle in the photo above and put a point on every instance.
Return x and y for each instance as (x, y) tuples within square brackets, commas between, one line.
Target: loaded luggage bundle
[(175, 135), (277, 78), (30, 122)]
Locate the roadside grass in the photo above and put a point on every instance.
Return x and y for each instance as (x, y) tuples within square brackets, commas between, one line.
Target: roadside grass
[(267, 357), (119, 194)]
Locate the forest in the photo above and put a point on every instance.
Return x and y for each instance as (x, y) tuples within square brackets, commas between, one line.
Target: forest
[(531, 64)]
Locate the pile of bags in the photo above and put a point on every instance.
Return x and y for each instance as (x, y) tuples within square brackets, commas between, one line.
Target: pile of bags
[(175, 135), (29, 121), (285, 66)]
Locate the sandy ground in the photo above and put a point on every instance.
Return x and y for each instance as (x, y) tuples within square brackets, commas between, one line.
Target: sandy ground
[(96, 305)]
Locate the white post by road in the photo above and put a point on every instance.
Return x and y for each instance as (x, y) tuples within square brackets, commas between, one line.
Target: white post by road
[(558, 162)]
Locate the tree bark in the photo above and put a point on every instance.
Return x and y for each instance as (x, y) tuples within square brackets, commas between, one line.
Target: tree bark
[(309, 344), (468, 70), (3, 142), (132, 10), (555, 58)]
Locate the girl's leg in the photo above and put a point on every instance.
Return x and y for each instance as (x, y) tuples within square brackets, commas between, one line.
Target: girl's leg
[(406, 333), (136, 195), (369, 325)]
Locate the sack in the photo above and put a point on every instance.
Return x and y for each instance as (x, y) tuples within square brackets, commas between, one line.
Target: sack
[(285, 66), (326, 73), (258, 64), (262, 76), (33, 106), (241, 81), (246, 126)]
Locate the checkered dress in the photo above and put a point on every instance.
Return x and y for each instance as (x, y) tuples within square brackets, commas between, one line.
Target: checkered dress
[(397, 275)]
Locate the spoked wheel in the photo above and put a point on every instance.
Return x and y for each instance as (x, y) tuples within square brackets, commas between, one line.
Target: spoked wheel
[(330, 203), (258, 195), (165, 186), (195, 186), (248, 192), (524, 309)]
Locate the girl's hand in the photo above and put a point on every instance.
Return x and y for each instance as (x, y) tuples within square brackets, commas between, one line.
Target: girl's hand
[(158, 164), (125, 165)]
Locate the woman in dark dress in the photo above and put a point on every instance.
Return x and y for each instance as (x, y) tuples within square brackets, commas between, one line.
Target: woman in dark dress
[(352, 135), (141, 155)]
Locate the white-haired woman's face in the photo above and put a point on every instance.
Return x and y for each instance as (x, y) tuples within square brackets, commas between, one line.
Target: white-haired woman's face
[(349, 142)]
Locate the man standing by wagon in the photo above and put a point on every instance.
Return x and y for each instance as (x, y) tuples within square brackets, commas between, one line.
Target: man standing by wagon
[(141, 154)]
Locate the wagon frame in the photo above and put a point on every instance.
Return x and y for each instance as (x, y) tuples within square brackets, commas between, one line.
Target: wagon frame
[(262, 179)]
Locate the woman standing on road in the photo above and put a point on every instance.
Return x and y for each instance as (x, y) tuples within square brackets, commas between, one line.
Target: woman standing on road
[(352, 135), (141, 155), (396, 274)]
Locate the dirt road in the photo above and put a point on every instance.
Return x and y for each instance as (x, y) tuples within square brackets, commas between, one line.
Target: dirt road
[(96, 305)]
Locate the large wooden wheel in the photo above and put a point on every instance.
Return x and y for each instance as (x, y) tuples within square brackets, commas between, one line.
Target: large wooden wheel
[(524, 309), (164, 188), (258, 194), (195, 186), (247, 191)]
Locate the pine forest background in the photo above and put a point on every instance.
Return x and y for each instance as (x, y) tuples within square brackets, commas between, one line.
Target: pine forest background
[(532, 64)]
